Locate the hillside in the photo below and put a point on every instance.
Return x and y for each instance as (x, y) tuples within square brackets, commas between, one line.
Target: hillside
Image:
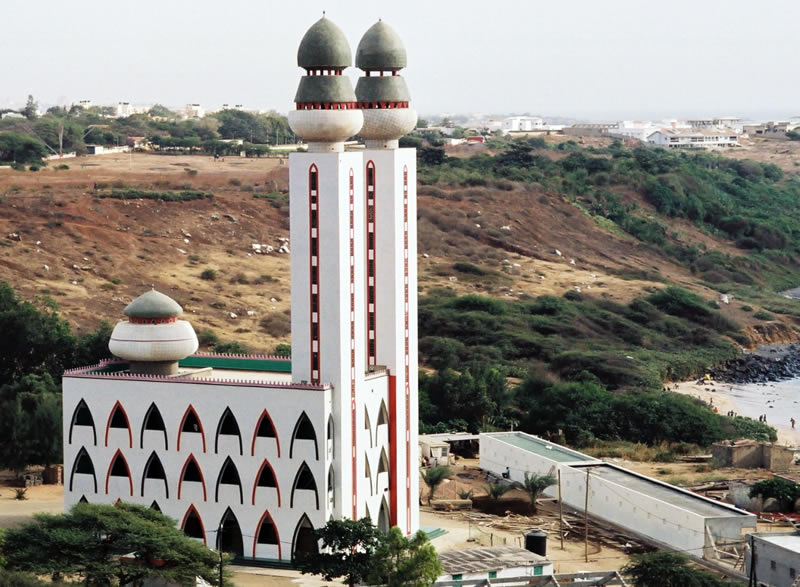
[(93, 254)]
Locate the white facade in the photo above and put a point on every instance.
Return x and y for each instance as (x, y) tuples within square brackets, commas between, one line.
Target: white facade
[(521, 124), (776, 557), (124, 109), (194, 111), (661, 512), (693, 139)]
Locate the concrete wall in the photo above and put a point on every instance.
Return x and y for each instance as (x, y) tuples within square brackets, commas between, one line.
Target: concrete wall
[(776, 566), (753, 456)]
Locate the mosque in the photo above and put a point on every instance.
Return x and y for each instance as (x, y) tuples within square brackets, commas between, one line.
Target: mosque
[(250, 453)]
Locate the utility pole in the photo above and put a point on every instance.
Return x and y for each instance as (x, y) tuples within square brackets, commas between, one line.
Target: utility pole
[(586, 520), (560, 512), (60, 141), (219, 550)]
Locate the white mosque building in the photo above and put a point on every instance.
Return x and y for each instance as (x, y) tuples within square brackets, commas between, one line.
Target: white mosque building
[(250, 453)]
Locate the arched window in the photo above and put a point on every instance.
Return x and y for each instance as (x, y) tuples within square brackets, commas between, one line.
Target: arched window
[(191, 473), (192, 524), (304, 480), (266, 478), (82, 416), (229, 537), (83, 466), (118, 467), (153, 469), (367, 425), (383, 467), (384, 522), (191, 424), (383, 415), (228, 426), (304, 430), (304, 541), (154, 506), (153, 421), (265, 428), (118, 418), (331, 486), (267, 533), (368, 472), (330, 435), (229, 475), (83, 499)]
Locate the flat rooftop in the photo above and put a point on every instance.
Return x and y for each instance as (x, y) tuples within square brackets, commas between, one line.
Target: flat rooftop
[(542, 447), (666, 493), (787, 540), (490, 558)]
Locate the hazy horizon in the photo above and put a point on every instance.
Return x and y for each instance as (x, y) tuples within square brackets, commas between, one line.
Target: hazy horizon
[(580, 59)]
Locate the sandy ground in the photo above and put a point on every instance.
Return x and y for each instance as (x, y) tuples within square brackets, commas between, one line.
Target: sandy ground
[(42, 498), (721, 395)]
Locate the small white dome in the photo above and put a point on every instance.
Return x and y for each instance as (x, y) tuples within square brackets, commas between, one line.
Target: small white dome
[(388, 123), (171, 341), (326, 126)]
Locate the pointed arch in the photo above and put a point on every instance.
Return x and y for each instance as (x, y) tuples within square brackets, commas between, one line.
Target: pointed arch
[(82, 416), (153, 469), (192, 472), (191, 424), (229, 475), (192, 524), (330, 435), (304, 480), (153, 421), (266, 478), (267, 533), (83, 465), (229, 426), (368, 472), (118, 418), (383, 467), (154, 506), (368, 425), (229, 534), (83, 499), (265, 428), (384, 521), (118, 467), (383, 414), (303, 540), (304, 430), (331, 485)]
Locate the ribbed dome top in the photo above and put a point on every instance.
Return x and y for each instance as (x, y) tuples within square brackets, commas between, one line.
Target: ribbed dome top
[(324, 45), (153, 304), (381, 48)]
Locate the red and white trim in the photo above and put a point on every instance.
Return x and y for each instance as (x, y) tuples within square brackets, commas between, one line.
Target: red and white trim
[(372, 335), (352, 234), (407, 354), (313, 269)]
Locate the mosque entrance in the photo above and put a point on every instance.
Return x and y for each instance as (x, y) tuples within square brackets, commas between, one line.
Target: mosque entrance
[(230, 535), (304, 541)]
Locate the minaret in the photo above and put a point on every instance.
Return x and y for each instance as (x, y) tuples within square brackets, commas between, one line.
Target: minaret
[(391, 253), (326, 200)]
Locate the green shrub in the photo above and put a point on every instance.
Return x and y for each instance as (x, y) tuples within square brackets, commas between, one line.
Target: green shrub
[(207, 337), (231, 348), (762, 315), (469, 268), (134, 194), (746, 308), (209, 274)]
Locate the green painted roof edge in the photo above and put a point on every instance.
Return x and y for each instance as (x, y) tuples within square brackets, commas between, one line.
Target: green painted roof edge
[(245, 363), (325, 88), (389, 88)]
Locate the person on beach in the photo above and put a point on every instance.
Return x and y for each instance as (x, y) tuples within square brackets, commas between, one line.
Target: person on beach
[(792, 421)]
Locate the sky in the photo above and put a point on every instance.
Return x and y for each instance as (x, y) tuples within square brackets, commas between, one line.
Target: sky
[(583, 59)]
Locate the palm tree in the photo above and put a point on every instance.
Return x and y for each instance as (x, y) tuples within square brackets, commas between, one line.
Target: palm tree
[(496, 490), (534, 485), (433, 477)]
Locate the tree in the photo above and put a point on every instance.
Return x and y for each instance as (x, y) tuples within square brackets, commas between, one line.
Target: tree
[(102, 543), (785, 491), (669, 569), (161, 111), (433, 477), (21, 148), (534, 484), (31, 108), (403, 561), (349, 549), (30, 423), (498, 490)]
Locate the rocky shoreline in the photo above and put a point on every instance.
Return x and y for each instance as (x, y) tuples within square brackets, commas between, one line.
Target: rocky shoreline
[(767, 363)]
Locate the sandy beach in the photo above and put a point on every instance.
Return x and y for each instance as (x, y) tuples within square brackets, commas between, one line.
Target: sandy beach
[(779, 400)]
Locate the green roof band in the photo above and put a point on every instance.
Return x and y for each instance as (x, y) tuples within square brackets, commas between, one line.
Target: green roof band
[(325, 88), (389, 88), (241, 363), (381, 49), (324, 46)]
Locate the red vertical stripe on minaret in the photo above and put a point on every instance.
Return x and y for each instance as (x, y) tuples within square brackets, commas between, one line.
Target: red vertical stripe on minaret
[(353, 343), (394, 449), (313, 269), (407, 393)]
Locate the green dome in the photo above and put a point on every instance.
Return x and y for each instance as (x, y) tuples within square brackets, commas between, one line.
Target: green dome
[(381, 48), (324, 46), (390, 88), (325, 88), (153, 304)]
